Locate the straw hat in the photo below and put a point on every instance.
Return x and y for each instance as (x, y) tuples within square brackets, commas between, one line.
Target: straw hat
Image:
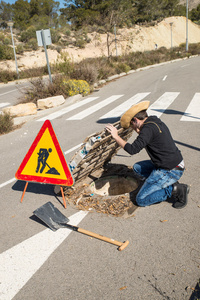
[(129, 114)]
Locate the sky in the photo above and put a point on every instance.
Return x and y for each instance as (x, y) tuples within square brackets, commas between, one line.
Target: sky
[(13, 1)]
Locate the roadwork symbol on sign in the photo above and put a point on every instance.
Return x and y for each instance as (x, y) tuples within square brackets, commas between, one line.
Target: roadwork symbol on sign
[(45, 162)]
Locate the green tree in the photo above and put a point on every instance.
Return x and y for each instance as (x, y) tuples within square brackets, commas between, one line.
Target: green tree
[(99, 12), (48, 8), (195, 14), (170, 7), (21, 14), (5, 11)]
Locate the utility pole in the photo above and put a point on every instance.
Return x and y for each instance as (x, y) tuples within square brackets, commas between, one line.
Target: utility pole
[(115, 39), (171, 34), (186, 26)]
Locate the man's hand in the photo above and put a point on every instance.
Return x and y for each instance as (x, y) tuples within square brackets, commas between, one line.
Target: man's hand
[(113, 131)]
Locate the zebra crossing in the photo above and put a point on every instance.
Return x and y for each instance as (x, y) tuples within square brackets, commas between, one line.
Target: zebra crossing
[(157, 108), (192, 112), (4, 104)]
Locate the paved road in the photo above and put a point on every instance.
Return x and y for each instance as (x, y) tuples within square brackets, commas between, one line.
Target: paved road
[(11, 92), (163, 258)]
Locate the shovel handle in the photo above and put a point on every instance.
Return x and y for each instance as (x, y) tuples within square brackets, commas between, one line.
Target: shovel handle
[(121, 246)]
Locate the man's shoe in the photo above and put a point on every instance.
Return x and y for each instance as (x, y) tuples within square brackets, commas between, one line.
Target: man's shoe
[(180, 192)]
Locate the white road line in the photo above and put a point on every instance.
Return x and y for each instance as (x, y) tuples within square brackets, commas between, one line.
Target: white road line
[(159, 106), (72, 149), (20, 263), (120, 109), (85, 113), (164, 78), (8, 92), (192, 112), (67, 109), (7, 182), (14, 179), (4, 104)]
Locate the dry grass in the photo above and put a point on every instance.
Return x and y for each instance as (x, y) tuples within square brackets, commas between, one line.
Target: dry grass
[(6, 123)]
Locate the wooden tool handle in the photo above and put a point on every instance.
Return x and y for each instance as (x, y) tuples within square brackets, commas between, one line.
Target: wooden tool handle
[(121, 247)]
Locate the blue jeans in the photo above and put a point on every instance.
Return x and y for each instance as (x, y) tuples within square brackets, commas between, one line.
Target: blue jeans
[(158, 184)]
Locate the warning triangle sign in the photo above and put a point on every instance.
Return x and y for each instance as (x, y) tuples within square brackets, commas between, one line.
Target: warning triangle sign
[(45, 162)]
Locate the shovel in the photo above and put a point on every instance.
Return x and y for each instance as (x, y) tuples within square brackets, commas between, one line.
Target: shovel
[(54, 219)]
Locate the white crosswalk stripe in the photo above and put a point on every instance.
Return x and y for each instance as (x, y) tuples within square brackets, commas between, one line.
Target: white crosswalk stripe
[(4, 104), (192, 112), (157, 108), (119, 110), (160, 105), (85, 113), (68, 109)]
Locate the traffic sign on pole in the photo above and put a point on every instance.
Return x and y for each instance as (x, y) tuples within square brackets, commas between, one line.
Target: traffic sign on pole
[(44, 39)]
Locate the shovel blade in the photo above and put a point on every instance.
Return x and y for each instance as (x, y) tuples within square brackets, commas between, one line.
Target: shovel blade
[(51, 216)]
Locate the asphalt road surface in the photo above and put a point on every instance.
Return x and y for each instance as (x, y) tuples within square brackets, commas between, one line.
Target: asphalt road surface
[(162, 260)]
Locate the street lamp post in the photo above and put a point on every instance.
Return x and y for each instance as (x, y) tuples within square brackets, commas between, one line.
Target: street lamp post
[(186, 25), (171, 34), (10, 24)]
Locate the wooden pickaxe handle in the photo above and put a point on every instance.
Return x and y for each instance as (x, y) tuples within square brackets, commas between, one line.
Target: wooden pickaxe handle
[(121, 246)]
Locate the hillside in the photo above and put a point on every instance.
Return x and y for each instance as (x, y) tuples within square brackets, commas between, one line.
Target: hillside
[(139, 38)]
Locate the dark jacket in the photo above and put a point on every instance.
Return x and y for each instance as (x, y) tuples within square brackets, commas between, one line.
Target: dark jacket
[(155, 137)]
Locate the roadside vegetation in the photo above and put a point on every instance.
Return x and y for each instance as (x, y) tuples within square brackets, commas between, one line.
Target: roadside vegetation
[(69, 79), (6, 123), (70, 27)]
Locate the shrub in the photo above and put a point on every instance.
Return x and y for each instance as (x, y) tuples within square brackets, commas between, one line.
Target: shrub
[(85, 71), (20, 49), (80, 42), (75, 87), (7, 41), (6, 52), (68, 32), (122, 67), (28, 34), (6, 123), (2, 37), (32, 44), (55, 36), (6, 76), (41, 89)]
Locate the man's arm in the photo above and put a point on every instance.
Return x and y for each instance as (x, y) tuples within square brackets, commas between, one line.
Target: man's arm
[(113, 131)]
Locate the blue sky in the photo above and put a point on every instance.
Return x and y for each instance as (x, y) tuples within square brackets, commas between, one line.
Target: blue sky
[(13, 1)]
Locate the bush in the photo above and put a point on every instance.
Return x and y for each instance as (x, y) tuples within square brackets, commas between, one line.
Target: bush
[(6, 53), (55, 36), (85, 71), (20, 49), (32, 44), (6, 76), (122, 67), (75, 87), (7, 41), (28, 34), (80, 42), (6, 123), (61, 85)]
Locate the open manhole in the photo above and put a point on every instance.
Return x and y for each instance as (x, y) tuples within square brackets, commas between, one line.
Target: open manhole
[(100, 185), (113, 186)]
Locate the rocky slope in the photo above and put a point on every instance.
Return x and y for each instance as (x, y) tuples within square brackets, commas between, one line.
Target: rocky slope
[(138, 38)]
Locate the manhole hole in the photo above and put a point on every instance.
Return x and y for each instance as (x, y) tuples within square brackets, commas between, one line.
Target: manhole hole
[(105, 192), (100, 185), (113, 185)]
